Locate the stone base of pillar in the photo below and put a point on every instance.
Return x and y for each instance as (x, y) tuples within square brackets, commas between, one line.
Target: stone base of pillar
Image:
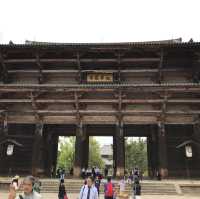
[(120, 172), (164, 172), (77, 172)]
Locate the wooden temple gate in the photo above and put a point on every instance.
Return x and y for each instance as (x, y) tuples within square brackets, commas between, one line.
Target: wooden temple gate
[(123, 89)]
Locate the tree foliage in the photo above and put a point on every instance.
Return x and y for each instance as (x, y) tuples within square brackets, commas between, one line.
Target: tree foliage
[(66, 153), (136, 154), (95, 154)]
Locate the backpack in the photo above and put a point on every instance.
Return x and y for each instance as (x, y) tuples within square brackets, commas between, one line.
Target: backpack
[(109, 190), (20, 196)]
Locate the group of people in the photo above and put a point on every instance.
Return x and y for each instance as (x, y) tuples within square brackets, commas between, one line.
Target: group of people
[(90, 189), (94, 171)]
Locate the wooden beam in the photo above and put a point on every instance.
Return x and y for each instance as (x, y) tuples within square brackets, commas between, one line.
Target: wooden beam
[(103, 88), (84, 60), (66, 71), (100, 112), (103, 101)]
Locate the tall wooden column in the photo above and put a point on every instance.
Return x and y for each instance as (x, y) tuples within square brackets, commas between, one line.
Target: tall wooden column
[(38, 151), (119, 151), (50, 152), (162, 150), (55, 153), (78, 150), (85, 145)]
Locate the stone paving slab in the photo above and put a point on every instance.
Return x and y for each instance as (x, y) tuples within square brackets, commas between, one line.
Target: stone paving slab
[(75, 196)]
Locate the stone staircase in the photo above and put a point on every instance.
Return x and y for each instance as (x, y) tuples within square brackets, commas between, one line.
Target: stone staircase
[(74, 186), (190, 189)]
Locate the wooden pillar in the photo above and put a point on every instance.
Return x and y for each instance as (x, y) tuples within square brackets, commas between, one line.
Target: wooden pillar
[(149, 156), (162, 151), (49, 153), (78, 150), (119, 151), (38, 151), (152, 152), (55, 153), (2, 137), (85, 146)]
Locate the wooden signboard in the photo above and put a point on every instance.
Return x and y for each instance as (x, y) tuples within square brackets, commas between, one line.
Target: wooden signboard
[(99, 77)]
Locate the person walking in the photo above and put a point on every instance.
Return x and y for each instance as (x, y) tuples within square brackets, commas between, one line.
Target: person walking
[(28, 192), (122, 186), (89, 191), (109, 189), (136, 189), (62, 191), (97, 184)]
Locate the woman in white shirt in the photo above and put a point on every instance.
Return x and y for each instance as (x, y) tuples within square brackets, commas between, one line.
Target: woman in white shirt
[(89, 191)]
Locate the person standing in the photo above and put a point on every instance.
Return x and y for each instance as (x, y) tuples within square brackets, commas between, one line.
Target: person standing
[(62, 191), (136, 189), (109, 189), (62, 176), (89, 191), (122, 185), (97, 184), (106, 172), (15, 182), (28, 192)]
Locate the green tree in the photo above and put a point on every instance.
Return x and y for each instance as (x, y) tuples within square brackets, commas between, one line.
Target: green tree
[(95, 154), (66, 153), (136, 154)]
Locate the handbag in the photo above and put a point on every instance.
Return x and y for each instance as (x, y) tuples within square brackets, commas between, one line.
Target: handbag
[(65, 196)]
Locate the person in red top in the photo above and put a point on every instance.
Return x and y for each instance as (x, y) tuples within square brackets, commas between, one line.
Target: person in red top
[(109, 189)]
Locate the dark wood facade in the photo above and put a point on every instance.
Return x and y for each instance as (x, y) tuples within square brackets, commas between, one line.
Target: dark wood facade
[(123, 89)]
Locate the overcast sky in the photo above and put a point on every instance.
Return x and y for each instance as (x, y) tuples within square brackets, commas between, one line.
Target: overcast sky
[(98, 20)]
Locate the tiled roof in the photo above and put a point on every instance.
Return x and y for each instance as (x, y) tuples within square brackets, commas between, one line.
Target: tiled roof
[(177, 43)]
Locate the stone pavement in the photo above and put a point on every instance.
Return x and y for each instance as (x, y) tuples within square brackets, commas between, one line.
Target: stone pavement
[(75, 196)]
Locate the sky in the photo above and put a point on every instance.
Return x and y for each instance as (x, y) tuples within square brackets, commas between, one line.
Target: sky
[(98, 20)]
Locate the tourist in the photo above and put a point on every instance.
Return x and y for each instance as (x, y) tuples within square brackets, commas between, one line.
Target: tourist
[(58, 173), (109, 189), (15, 182), (97, 171), (37, 185), (106, 172), (62, 174), (122, 185), (93, 172), (97, 183), (136, 173), (71, 171), (62, 191), (28, 192), (89, 191), (83, 173), (136, 189)]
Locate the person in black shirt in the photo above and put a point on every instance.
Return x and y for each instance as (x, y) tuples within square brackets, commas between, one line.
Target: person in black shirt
[(136, 189), (62, 191), (97, 183)]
